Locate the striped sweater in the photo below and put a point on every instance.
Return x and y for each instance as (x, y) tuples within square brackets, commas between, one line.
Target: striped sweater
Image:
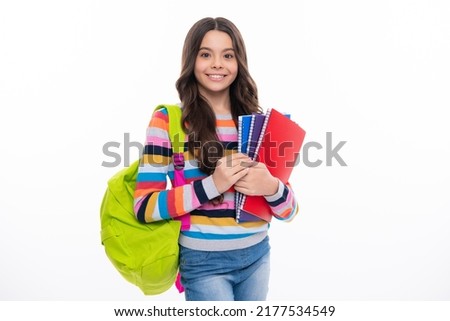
[(213, 227)]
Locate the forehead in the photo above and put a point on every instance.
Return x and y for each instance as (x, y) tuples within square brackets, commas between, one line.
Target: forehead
[(215, 39)]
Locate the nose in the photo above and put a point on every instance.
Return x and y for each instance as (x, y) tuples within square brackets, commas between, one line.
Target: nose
[(217, 63)]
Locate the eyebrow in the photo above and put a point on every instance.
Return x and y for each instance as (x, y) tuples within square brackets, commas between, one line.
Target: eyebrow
[(206, 48)]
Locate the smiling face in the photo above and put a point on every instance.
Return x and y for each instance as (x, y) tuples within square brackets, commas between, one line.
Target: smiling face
[(216, 66)]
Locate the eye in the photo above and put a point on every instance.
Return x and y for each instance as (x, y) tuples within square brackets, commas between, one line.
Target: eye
[(205, 54), (229, 56)]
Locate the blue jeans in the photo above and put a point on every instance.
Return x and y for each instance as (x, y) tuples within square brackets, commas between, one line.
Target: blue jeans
[(236, 275)]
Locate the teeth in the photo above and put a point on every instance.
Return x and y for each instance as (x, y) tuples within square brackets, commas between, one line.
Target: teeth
[(216, 76)]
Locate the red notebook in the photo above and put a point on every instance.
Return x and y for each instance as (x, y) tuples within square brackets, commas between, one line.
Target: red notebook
[(278, 148)]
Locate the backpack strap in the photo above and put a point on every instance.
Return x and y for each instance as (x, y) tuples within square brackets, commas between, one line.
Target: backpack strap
[(177, 138)]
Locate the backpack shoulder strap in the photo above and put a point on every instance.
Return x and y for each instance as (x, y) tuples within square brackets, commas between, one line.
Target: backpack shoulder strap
[(177, 138), (176, 133)]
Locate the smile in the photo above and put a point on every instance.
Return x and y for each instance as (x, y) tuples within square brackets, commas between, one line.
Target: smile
[(216, 77)]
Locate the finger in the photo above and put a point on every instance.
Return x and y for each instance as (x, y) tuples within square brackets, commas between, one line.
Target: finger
[(239, 163), (235, 156), (239, 155), (232, 160), (243, 190), (242, 181), (240, 174), (248, 163), (240, 158), (240, 184), (235, 170)]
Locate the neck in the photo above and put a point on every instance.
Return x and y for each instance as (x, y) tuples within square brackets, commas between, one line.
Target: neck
[(220, 102)]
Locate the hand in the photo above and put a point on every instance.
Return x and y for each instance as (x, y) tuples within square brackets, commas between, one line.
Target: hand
[(229, 170), (258, 181)]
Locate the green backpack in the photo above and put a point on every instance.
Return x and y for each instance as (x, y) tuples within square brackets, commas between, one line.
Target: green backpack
[(144, 254)]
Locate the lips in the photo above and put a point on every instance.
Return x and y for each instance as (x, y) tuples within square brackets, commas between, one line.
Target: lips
[(216, 76)]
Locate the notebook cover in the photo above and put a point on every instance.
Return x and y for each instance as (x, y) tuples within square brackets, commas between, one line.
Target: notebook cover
[(255, 134), (245, 124), (245, 132)]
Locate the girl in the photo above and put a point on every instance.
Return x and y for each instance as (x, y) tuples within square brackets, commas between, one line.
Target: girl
[(219, 258)]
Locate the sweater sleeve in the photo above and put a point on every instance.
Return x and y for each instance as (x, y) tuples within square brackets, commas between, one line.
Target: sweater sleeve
[(153, 200), (283, 203)]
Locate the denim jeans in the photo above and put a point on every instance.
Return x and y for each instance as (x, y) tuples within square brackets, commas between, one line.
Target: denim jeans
[(236, 275)]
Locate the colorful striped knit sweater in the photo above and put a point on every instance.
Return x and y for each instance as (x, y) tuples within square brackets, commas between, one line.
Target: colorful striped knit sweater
[(213, 227)]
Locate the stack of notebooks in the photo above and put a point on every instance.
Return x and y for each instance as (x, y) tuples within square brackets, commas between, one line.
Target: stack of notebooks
[(275, 140)]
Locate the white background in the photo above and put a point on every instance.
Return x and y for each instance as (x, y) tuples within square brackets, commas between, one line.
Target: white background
[(75, 75)]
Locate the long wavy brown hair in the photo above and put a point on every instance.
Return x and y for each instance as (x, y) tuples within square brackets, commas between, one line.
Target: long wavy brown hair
[(197, 113)]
